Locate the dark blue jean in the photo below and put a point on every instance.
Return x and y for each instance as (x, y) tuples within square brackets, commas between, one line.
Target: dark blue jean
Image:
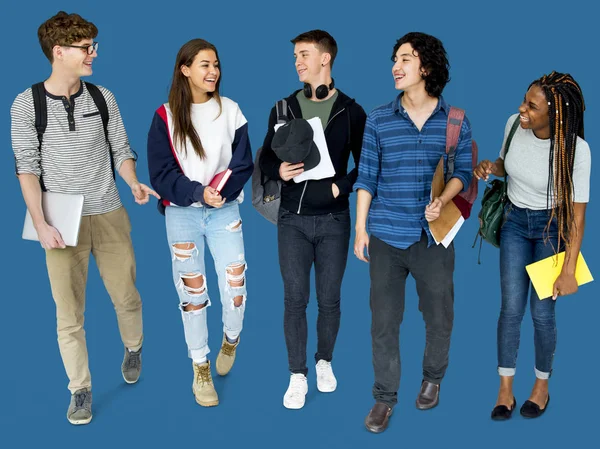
[(432, 269), (524, 239), (305, 240)]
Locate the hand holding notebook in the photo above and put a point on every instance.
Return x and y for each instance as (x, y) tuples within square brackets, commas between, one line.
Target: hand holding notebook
[(446, 226), (544, 273), (220, 179)]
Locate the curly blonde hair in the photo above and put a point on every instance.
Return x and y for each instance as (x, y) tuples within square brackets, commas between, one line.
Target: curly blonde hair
[(64, 29)]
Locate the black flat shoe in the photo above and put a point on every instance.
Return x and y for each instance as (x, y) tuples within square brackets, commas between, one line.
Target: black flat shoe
[(532, 410), (502, 412)]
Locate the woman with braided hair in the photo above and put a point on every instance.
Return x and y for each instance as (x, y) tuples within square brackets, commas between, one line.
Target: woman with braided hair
[(548, 166)]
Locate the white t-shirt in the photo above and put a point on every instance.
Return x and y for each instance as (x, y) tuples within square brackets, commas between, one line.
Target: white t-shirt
[(527, 165)]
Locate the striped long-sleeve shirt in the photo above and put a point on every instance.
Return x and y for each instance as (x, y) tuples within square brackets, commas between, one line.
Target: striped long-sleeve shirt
[(75, 157), (396, 167)]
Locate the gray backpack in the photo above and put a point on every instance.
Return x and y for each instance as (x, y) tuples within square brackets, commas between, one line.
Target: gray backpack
[(266, 192)]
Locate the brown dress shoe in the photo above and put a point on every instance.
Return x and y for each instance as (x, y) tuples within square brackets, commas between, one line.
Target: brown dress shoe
[(377, 419), (429, 396)]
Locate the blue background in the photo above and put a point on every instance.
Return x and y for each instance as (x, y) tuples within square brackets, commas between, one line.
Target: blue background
[(495, 51)]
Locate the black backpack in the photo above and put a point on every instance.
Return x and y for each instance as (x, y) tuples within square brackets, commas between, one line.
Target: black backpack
[(266, 192), (41, 114)]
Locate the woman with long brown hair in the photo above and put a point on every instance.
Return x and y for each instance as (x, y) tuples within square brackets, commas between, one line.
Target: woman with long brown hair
[(548, 169), (199, 159)]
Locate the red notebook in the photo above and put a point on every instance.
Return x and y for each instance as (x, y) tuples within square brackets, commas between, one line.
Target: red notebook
[(218, 182)]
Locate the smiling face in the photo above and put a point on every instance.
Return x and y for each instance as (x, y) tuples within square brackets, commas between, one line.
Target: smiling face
[(310, 62), (533, 112), (75, 61), (203, 73), (407, 69)]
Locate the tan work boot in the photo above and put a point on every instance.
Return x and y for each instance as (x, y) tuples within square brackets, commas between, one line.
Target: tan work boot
[(226, 356), (203, 387)]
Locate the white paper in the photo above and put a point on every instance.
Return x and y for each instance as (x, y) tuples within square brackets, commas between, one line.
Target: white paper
[(325, 167), (451, 234)]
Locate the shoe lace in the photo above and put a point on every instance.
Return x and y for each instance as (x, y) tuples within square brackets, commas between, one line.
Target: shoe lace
[(134, 360), (323, 368), (228, 348), (80, 398), (296, 385), (203, 374)]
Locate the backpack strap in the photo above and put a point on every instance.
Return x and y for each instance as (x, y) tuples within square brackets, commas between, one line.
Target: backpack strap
[(40, 108), (511, 134), (100, 103), (456, 117), (281, 109)]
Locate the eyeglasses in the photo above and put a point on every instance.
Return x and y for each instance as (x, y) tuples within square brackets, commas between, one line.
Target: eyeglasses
[(89, 48)]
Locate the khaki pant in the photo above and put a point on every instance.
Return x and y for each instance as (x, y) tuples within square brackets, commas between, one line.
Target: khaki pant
[(107, 237)]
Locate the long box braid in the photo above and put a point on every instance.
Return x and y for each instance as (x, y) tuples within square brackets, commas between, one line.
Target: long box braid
[(565, 110)]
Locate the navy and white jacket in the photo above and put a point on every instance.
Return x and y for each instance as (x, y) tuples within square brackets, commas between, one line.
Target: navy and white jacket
[(179, 175)]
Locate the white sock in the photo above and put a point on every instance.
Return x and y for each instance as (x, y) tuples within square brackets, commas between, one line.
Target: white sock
[(231, 340), (200, 361)]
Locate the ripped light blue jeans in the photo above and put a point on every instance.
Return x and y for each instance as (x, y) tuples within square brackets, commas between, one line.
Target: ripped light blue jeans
[(189, 230)]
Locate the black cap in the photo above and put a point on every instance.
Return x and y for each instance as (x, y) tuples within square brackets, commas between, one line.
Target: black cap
[(293, 143)]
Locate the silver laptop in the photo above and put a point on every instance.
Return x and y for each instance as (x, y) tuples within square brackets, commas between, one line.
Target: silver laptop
[(61, 210)]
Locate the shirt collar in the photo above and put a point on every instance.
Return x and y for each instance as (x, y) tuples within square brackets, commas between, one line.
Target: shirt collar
[(399, 109), (60, 97)]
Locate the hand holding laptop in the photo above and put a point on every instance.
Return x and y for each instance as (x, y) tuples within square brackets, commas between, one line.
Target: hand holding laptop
[(59, 226), (49, 236)]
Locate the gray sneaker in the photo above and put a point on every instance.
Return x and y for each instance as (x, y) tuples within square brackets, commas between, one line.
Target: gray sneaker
[(80, 408), (132, 366)]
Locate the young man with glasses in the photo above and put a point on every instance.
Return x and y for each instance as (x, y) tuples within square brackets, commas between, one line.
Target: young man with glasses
[(75, 156), (314, 218)]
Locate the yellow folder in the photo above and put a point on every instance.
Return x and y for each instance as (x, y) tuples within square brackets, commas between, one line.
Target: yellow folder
[(544, 272)]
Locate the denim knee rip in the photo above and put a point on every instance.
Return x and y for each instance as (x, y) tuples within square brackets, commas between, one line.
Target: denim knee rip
[(184, 254), (197, 295), (235, 276), (235, 226)]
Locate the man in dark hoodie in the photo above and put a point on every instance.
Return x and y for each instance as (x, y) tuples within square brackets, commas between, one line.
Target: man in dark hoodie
[(314, 218)]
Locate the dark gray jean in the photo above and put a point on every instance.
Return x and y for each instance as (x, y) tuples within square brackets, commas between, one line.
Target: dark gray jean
[(304, 240), (432, 269)]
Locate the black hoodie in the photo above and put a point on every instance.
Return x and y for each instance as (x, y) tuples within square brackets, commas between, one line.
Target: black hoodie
[(344, 134)]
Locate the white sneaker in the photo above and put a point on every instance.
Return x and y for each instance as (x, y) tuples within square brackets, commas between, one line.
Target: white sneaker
[(296, 393), (326, 381)]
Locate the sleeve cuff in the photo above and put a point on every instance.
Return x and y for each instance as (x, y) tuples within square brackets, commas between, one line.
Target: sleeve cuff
[(25, 171), (199, 194), (274, 172), (119, 162), (344, 186), (462, 179), (362, 185)]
